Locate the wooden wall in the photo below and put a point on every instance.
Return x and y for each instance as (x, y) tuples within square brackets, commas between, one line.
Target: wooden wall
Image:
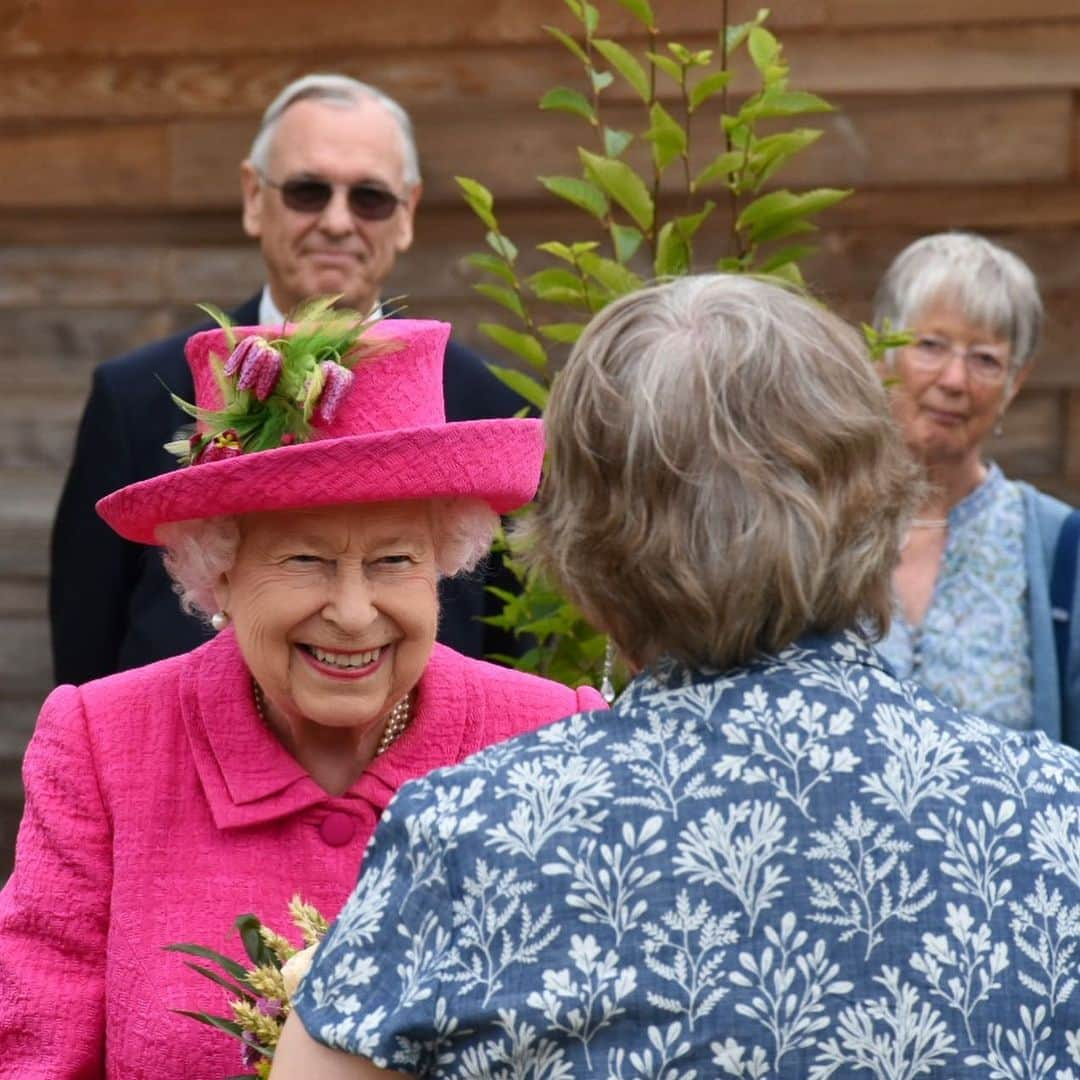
[(122, 123)]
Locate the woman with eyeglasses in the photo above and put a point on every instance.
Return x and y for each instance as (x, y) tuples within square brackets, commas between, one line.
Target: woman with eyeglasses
[(973, 619)]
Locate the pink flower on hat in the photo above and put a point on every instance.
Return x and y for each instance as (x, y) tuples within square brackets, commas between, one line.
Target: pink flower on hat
[(259, 364), (336, 381)]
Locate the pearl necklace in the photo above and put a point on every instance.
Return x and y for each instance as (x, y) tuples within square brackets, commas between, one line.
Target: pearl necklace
[(928, 523), (396, 722)]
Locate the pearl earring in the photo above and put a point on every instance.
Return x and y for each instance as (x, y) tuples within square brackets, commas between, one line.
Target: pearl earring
[(219, 620)]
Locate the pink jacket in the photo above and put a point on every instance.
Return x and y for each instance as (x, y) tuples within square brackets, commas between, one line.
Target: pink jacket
[(158, 808)]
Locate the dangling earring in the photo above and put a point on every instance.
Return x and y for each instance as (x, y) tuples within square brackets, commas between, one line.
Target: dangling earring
[(219, 620), (607, 688), (999, 427)]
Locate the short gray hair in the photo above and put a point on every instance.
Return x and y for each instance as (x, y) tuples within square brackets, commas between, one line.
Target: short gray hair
[(724, 474), (199, 551), (343, 92), (993, 287)]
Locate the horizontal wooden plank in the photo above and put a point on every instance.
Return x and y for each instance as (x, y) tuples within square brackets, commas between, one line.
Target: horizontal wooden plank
[(22, 598), (34, 276), (206, 28), (25, 658), (917, 61), (37, 432), (85, 166), (844, 13)]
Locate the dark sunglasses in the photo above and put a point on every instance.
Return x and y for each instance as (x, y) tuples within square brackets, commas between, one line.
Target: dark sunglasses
[(311, 196)]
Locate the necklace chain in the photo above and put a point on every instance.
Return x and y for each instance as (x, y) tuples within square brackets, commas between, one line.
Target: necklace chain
[(928, 523), (396, 722)]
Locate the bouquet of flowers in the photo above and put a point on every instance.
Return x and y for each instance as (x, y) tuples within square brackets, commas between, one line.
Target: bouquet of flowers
[(260, 995)]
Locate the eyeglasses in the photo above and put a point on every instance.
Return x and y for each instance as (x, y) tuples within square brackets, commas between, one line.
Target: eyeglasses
[(983, 364), (368, 202)]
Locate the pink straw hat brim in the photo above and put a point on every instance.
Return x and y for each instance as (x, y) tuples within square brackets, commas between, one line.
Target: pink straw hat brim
[(496, 461)]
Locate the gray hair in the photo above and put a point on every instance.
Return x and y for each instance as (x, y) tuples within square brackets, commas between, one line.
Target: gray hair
[(341, 91), (723, 474), (199, 551), (993, 287)]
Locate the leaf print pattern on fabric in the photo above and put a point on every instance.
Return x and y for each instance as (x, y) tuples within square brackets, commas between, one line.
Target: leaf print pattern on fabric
[(788, 743), (800, 869), (870, 884)]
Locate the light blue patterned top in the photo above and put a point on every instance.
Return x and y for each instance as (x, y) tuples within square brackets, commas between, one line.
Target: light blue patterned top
[(803, 869), (973, 648)]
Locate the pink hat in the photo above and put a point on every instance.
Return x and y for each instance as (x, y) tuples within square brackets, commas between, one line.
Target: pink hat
[(377, 433)]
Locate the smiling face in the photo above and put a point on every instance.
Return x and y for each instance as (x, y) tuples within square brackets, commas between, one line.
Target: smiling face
[(331, 251), (945, 412), (335, 612)]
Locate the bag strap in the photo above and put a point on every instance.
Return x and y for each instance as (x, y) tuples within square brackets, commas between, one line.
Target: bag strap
[(1062, 591)]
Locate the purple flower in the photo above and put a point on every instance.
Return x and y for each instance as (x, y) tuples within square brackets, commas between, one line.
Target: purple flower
[(269, 1008), (260, 366), (240, 353), (336, 381), (251, 1056)]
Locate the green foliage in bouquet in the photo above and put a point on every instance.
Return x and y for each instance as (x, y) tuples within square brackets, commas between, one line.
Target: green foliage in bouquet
[(259, 995), (703, 161)]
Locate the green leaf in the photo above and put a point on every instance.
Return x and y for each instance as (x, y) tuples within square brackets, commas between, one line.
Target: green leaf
[(770, 153), (257, 949), (503, 246), (244, 992), (667, 136), (724, 165), (492, 264), (479, 199), (785, 255), (784, 204), (626, 240), (506, 297), (565, 333), (563, 99), (738, 33), (764, 49), (523, 385), (612, 275), (581, 193), (777, 230), (592, 18), (567, 254), (231, 1027), (524, 345), (641, 11), (790, 103), (626, 64), (558, 286), (575, 9), (226, 964), (615, 141), (622, 184), (708, 88), (667, 66), (568, 42), (789, 273), (672, 252), (681, 53), (222, 320)]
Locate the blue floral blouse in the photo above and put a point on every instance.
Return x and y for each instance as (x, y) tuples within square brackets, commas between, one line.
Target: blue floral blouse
[(973, 648), (804, 868)]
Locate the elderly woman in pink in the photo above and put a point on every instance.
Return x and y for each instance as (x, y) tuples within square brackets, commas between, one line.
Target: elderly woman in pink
[(321, 500)]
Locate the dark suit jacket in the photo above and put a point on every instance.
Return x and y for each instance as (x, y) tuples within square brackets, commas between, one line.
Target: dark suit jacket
[(111, 602)]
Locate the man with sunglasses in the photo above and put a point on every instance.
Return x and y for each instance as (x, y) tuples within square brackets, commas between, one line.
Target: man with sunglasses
[(330, 191)]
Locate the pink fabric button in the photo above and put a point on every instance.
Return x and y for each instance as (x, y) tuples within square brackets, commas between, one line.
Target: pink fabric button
[(337, 829)]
